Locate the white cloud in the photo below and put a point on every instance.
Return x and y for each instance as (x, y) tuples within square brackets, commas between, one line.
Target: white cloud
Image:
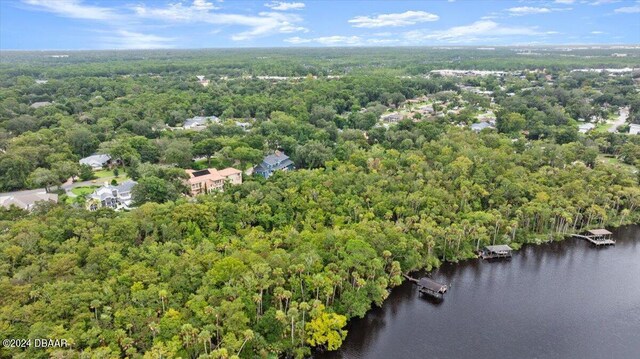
[(124, 39), (73, 9), (262, 24), (284, 6), (628, 9), (602, 2), (597, 32), (203, 5), (483, 30), (393, 20), (126, 20), (384, 41), (335, 40), (566, 2), (527, 10)]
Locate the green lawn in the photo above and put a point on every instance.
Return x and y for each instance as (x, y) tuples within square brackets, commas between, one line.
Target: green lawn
[(79, 191), (103, 173), (107, 175), (615, 162)]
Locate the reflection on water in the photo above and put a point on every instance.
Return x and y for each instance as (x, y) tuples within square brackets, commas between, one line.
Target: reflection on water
[(559, 300)]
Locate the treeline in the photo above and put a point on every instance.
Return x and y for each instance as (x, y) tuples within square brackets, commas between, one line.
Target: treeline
[(277, 267), (303, 61), (126, 116)]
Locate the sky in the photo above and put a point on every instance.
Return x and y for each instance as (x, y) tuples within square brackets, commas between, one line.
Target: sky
[(153, 24)]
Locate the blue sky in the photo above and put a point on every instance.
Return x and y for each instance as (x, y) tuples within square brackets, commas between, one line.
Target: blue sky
[(144, 24)]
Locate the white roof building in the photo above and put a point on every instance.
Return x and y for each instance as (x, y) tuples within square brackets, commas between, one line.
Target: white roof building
[(27, 201), (586, 127), (97, 161), (116, 197)]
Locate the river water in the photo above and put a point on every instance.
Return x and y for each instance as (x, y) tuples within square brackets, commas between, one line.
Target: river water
[(560, 300)]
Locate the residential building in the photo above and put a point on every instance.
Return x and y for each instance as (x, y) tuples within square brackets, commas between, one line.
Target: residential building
[(477, 127), (109, 196), (40, 104), (244, 125), (199, 122), (392, 117), (28, 200), (586, 127), (275, 162), (202, 80), (97, 161), (211, 179), (634, 129)]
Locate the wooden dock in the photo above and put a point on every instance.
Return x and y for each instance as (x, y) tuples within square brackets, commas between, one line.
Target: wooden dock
[(497, 251), (598, 237), (429, 286)]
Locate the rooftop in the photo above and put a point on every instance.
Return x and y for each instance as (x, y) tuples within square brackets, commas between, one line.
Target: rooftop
[(498, 248), (432, 285), (600, 232)]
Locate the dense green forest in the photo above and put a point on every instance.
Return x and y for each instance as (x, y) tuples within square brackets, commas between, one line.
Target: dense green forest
[(276, 267)]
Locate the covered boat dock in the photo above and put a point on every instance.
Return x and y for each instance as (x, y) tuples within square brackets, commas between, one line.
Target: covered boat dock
[(497, 251), (599, 237), (429, 286)]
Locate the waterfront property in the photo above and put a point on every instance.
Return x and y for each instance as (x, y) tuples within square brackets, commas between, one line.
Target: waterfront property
[(497, 251), (211, 179), (599, 237)]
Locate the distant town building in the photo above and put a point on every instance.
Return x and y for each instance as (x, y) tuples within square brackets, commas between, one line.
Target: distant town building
[(40, 104), (477, 127), (634, 129), (202, 80), (211, 179), (199, 122), (244, 125), (275, 162), (392, 117), (117, 197), (27, 201), (586, 127), (97, 161)]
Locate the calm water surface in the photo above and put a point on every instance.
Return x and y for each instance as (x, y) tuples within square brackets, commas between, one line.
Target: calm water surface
[(558, 300)]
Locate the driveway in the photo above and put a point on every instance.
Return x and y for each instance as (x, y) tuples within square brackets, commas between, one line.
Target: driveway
[(621, 120)]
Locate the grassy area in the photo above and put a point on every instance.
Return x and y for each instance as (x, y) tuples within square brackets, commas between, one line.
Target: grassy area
[(602, 127), (79, 191), (85, 190), (615, 162), (103, 173)]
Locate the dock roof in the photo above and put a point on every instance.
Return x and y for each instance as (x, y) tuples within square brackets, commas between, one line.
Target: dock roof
[(600, 232), (498, 248), (431, 284)]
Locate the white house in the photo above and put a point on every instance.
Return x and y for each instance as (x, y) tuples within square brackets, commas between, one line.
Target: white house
[(116, 197), (199, 122), (97, 161), (586, 127), (477, 127), (27, 201)]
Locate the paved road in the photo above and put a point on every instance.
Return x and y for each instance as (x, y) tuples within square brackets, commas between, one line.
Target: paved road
[(622, 118), (67, 186)]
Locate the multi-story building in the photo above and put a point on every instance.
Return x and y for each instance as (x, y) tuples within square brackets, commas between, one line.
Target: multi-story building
[(211, 179)]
